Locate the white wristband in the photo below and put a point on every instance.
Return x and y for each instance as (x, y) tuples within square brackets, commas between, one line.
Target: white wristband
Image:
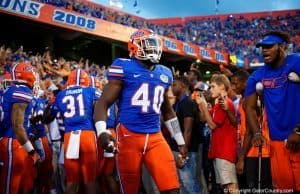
[(101, 128), (179, 139), (109, 154), (28, 146), (174, 128)]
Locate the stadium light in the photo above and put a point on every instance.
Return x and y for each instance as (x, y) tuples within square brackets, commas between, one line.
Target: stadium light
[(116, 3)]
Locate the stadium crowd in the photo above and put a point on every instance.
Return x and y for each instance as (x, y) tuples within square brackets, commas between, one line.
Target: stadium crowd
[(235, 35)]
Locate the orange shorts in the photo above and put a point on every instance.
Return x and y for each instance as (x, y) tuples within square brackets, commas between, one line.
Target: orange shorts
[(285, 166), (29, 175), (85, 166), (45, 169), (105, 165), (17, 167), (150, 149)]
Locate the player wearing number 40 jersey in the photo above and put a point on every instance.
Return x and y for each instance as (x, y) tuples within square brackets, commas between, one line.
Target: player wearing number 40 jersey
[(140, 86), (75, 105)]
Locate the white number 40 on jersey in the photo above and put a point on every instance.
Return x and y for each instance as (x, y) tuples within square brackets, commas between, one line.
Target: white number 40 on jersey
[(141, 98)]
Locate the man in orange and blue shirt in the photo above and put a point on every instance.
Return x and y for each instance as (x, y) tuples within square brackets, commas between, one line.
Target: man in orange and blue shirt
[(280, 96)]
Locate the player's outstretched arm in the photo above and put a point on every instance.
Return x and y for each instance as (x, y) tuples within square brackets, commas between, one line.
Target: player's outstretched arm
[(172, 123), (110, 94)]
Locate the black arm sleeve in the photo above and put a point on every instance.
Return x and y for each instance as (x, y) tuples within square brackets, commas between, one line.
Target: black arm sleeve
[(48, 117)]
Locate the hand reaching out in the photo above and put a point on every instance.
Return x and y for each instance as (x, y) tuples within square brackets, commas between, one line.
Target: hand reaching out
[(200, 100)]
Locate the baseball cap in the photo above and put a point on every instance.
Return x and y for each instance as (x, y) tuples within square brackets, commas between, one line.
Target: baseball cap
[(270, 40), (202, 87)]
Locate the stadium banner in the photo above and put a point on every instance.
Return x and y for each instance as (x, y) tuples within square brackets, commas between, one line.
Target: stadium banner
[(64, 18), (240, 61), (68, 19), (213, 56), (221, 58), (171, 45), (206, 54), (189, 49), (233, 59)]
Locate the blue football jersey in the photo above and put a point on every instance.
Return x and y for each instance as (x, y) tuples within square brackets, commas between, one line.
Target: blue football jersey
[(280, 96), (38, 105), (76, 107), (142, 94), (1, 111), (111, 117), (15, 94), (60, 122)]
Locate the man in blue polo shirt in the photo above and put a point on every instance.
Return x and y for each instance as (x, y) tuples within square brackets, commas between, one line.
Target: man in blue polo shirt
[(280, 94)]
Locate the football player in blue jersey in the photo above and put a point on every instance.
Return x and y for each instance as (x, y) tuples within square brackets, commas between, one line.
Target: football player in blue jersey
[(140, 85), (16, 151), (76, 106), (106, 166), (44, 181), (280, 94)]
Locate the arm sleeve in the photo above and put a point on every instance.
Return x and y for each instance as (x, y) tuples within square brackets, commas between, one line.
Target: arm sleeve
[(296, 66), (21, 96), (251, 82), (96, 94), (116, 70), (54, 108)]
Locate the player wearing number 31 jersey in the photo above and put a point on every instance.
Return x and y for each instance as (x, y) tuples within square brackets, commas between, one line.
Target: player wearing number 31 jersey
[(75, 105), (140, 85)]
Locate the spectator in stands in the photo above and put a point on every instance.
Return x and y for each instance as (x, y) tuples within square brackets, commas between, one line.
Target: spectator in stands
[(221, 121), (205, 165), (195, 82), (194, 76), (140, 140), (276, 84), (188, 115)]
